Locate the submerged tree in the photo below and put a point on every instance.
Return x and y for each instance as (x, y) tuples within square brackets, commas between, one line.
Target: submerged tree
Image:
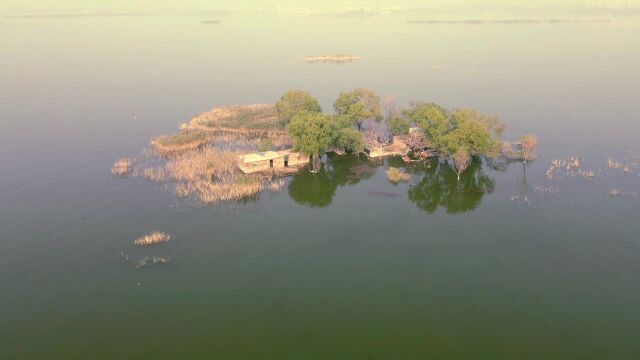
[(528, 145), (294, 102), (359, 105), (311, 133), (461, 159)]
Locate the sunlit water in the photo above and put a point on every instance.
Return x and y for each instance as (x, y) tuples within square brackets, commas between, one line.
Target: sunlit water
[(339, 265)]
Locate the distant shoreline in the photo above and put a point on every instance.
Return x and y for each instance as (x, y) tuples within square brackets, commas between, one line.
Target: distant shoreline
[(505, 21)]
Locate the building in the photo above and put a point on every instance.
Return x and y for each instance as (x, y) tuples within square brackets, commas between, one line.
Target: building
[(271, 161)]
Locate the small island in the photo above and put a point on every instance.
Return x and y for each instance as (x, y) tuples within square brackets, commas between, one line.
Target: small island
[(237, 152), (338, 59)]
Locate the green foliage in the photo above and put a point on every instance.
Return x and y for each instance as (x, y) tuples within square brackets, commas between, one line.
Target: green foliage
[(399, 125), (359, 105), (449, 131), (433, 119), (311, 133), (294, 102), (266, 144), (349, 139)]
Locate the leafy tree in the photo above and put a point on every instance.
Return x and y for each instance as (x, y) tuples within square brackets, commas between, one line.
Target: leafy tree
[(359, 105), (433, 119), (349, 139), (469, 130), (294, 102), (311, 133), (399, 125)]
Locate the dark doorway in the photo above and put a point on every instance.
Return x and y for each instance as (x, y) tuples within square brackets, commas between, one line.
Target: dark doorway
[(286, 161), (271, 163)]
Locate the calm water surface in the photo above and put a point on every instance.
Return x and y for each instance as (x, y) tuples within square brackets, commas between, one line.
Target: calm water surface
[(340, 265)]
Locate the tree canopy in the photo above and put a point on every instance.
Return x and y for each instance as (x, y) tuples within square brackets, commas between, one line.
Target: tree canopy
[(359, 105), (294, 102)]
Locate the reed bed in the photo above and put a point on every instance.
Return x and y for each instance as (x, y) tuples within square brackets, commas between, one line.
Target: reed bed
[(241, 117), (122, 167), (146, 261), (155, 174), (153, 238), (395, 175), (183, 141)]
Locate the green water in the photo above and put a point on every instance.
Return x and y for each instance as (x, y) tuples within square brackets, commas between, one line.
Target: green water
[(341, 264)]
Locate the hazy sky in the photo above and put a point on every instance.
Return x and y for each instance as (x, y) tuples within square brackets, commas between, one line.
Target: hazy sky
[(164, 5)]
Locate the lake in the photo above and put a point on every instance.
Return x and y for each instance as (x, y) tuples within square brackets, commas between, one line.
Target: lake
[(505, 264)]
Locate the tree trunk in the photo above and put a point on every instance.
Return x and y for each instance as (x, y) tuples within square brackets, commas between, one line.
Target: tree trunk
[(315, 163)]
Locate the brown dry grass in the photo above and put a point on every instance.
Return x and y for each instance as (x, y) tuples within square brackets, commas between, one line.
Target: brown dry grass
[(153, 238), (395, 175), (122, 167), (183, 141), (238, 117)]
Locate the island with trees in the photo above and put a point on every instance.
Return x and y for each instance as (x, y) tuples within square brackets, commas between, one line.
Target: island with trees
[(236, 152)]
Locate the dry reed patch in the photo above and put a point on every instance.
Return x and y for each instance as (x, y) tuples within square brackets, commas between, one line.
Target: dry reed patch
[(153, 238), (207, 163), (254, 116), (209, 192), (395, 175), (154, 174), (183, 141), (122, 167)]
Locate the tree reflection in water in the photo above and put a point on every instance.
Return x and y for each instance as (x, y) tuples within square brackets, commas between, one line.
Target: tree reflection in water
[(439, 187), (317, 190)]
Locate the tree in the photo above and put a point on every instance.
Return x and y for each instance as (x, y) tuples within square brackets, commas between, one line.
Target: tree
[(311, 133), (294, 102), (433, 119), (398, 125), (390, 104), (349, 139), (499, 129), (461, 160), (469, 130), (359, 105), (528, 145)]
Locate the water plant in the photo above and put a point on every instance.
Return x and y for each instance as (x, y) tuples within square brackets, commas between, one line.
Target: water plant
[(152, 238)]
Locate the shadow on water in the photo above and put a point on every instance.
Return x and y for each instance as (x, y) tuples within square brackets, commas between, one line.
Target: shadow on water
[(317, 190), (439, 186)]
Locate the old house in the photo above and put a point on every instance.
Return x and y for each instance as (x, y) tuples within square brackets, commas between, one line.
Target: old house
[(272, 161)]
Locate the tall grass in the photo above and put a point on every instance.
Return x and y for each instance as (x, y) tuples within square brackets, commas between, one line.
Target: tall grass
[(395, 175), (183, 141)]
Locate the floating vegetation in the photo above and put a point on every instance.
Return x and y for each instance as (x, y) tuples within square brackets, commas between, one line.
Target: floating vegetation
[(146, 261), (547, 189), (210, 22), (153, 238), (122, 167), (338, 59), (395, 175)]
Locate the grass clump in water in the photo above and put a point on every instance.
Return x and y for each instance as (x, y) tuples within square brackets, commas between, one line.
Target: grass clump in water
[(153, 238), (395, 175), (122, 167)]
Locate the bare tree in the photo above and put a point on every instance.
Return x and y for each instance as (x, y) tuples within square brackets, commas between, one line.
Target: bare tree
[(528, 145), (390, 104), (461, 160)]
